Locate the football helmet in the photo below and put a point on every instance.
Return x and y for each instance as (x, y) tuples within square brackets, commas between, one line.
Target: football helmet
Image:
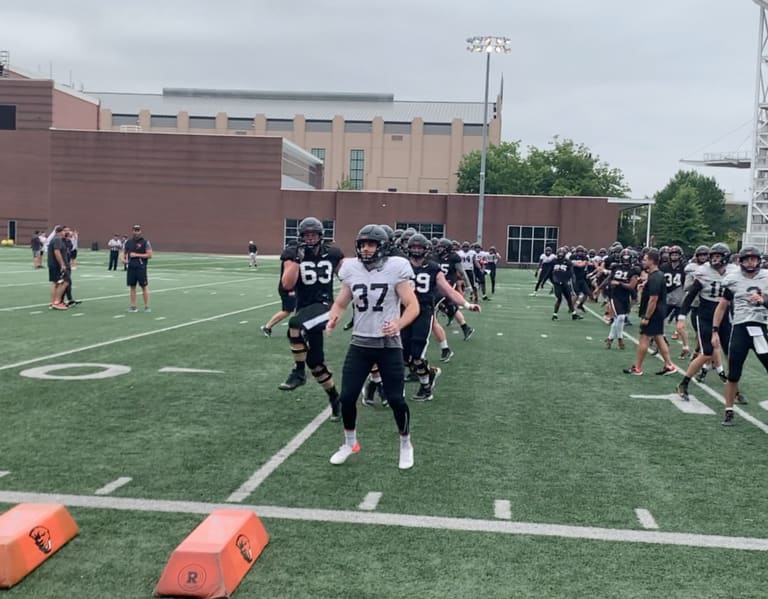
[(723, 253), (749, 251), (371, 233), (311, 225), (418, 246)]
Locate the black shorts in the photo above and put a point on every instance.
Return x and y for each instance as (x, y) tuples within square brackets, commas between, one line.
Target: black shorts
[(137, 276), (73, 254), (415, 336), (288, 301), (471, 276), (741, 342), (311, 321), (581, 287), (704, 332), (55, 275), (563, 289), (654, 327)]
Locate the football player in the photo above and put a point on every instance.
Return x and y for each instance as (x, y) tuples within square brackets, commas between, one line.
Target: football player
[(378, 285), (674, 276), (562, 274), (428, 282), (746, 290), (309, 270), (544, 269), (450, 264)]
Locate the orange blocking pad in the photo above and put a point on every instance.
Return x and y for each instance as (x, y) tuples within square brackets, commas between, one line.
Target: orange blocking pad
[(215, 557), (30, 533)]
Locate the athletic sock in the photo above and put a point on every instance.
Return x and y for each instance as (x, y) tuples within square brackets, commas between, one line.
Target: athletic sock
[(444, 344), (350, 437)]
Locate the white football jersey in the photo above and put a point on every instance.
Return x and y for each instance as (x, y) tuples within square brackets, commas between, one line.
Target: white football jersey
[(742, 289), (373, 292)]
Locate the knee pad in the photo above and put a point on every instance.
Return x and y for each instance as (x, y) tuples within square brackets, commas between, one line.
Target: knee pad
[(321, 374)]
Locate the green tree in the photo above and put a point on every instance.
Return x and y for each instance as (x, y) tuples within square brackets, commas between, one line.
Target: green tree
[(564, 169), (710, 198), (687, 229)]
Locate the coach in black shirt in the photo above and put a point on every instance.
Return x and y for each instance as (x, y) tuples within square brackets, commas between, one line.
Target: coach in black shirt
[(136, 254)]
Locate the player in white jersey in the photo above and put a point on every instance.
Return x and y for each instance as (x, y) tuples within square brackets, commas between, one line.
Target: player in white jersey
[(378, 285), (747, 292), (467, 255)]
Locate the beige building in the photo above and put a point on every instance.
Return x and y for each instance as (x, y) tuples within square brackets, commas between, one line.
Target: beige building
[(372, 140)]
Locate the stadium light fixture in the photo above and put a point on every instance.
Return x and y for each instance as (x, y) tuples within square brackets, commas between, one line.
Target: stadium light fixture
[(489, 44)]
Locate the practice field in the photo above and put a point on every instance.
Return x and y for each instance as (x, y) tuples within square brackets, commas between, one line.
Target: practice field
[(541, 469)]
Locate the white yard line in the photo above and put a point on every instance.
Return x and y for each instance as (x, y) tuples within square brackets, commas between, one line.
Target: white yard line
[(114, 485), (714, 394), (646, 519), (502, 509), (131, 337), (4, 473), (274, 462), (123, 295), (400, 520), (370, 502)]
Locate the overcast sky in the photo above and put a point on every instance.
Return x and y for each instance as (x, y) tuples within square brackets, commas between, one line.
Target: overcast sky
[(643, 84)]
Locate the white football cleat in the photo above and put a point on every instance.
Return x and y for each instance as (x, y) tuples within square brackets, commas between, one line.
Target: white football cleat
[(406, 455), (343, 453)]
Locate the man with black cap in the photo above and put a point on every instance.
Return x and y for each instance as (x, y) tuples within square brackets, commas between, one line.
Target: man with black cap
[(136, 254)]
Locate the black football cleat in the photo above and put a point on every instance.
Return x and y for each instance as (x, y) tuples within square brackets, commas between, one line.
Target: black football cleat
[(728, 420), (294, 380)]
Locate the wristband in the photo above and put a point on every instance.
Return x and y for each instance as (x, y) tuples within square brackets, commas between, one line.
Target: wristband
[(715, 329), (681, 317)]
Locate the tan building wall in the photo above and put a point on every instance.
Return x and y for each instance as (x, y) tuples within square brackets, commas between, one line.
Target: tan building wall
[(411, 157)]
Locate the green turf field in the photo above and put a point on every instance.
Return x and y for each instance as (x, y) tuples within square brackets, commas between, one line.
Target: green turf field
[(530, 463)]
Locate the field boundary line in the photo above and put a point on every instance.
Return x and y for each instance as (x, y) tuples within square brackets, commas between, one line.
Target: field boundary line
[(276, 460), (401, 520), (136, 336)]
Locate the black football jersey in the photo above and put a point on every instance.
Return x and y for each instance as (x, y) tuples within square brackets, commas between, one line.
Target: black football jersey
[(561, 271), (674, 276), (451, 267), (425, 283), (316, 270), (622, 273)]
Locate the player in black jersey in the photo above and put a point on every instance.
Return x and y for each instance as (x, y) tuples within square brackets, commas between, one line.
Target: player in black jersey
[(429, 283), (580, 263), (450, 264), (619, 287), (674, 277), (562, 274), (309, 270)]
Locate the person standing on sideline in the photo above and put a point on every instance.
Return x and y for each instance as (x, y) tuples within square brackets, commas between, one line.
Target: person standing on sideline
[(115, 245), (136, 253), (123, 241), (653, 303), (490, 266), (58, 266), (37, 250), (378, 285), (747, 291), (252, 252), (74, 240)]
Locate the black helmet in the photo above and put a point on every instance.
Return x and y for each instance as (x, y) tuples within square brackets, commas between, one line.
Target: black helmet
[(407, 234), (310, 225), (561, 252), (371, 233), (616, 247), (676, 249), (418, 246), (719, 249), (444, 247), (547, 249), (626, 256), (749, 251), (702, 250), (389, 231)]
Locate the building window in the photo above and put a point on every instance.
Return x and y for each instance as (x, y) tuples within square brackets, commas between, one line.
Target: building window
[(358, 126), (279, 124), (202, 122), (318, 153), (318, 126), (470, 130), (437, 128), (429, 230), (397, 128), (357, 168), (8, 117), (124, 119), (292, 230), (526, 243), (238, 123), (163, 121)]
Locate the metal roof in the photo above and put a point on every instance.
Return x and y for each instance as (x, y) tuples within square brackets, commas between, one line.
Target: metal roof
[(285, 105)]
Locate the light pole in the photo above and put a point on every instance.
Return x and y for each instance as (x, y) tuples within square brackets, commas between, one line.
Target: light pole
[(488, 44)]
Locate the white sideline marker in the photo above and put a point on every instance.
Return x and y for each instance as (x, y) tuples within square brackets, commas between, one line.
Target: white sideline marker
[(193, 370), (646, 520), (76, 315), (499, 334), (4, 473), (243, 322), (502, 509), (36, 312), (764, 404), (693, 406), (543, 336), (370, 502), (589, 338), (119, 316), (114, 485), (160, 318)]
